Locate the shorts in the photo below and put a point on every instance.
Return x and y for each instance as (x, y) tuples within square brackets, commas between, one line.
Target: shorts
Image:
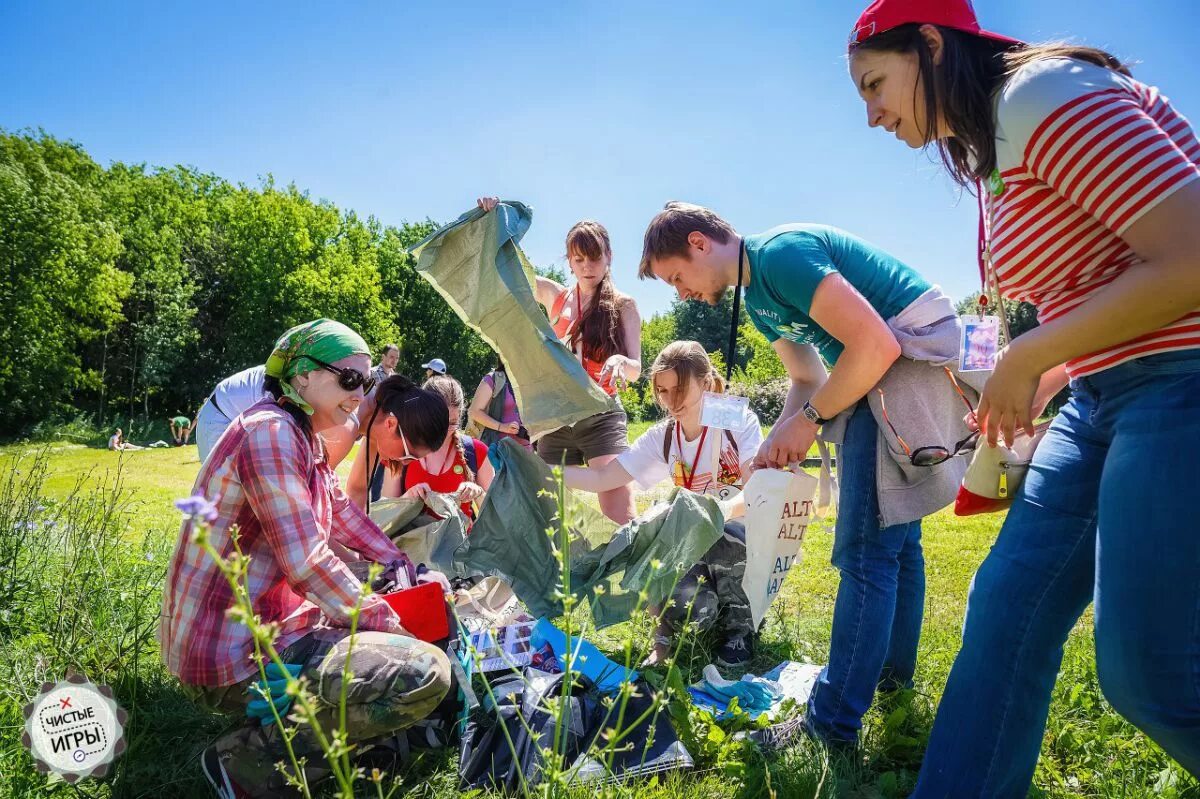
[(594, 437)]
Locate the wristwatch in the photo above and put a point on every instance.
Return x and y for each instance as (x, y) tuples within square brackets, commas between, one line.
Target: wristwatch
[(811, 414)]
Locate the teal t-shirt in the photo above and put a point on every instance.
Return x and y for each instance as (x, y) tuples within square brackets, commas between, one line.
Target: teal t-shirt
[(787, 264)]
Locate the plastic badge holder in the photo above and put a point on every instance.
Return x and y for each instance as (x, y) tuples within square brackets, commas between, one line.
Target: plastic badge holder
[(979, 343), (723, 411), (422, 611)]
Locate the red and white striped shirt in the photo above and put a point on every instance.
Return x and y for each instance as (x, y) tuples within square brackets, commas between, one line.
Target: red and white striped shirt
[(267, 478), (1084, 152)]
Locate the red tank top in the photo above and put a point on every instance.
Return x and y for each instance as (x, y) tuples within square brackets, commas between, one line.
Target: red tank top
[(448, 481), (562, 329)]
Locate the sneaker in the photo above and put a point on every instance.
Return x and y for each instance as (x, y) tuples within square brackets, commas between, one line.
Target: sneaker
[(735, 653), (218, 777)]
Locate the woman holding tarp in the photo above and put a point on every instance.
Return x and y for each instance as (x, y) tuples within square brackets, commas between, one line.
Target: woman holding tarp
[(604, 330), (1090, 210), (459, 467), (275, 499), (707, 461)]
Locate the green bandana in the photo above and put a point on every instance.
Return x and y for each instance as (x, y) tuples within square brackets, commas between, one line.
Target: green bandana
[(323, 339)]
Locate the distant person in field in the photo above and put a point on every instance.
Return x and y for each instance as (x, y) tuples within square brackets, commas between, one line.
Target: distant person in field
[(181, 429), (118, 443)]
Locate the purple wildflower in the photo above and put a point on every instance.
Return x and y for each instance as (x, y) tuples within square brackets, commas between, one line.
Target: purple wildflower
[(198, 508)]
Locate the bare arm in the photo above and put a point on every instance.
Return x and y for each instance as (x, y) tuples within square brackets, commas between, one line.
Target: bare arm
[(610, 476), (805, 370), (626, 366), (869, 350), (478, 412), (546, 291), (356, 481)]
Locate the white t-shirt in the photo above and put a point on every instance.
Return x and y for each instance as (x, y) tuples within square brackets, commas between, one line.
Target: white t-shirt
[(238, 393), (644, 459), (114, 441)]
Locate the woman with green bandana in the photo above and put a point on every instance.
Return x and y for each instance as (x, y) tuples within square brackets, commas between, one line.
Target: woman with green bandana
[(269, 478)]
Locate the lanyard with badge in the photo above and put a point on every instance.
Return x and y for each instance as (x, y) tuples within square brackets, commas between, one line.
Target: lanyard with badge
[(980, 338), (725, 411)]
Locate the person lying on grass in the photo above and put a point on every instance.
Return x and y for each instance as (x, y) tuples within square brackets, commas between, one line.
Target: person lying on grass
[(271, 485), (700, 459)]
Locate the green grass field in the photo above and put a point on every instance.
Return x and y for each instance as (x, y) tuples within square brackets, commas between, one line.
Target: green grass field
[(1088, 751)]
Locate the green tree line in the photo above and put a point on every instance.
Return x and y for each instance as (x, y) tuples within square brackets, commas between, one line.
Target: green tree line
[(130, 291)]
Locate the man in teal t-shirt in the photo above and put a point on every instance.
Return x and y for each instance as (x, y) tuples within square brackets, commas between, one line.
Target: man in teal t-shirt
[(788, 263), (810, 289)]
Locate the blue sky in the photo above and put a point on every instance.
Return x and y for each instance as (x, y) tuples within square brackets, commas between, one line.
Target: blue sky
[(600, 110)]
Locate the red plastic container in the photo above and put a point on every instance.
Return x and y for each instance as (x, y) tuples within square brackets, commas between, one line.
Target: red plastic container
[(422, 611)]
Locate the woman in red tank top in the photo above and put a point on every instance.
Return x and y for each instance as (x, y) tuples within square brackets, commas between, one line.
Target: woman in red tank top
[(448, 469), (604, 330)]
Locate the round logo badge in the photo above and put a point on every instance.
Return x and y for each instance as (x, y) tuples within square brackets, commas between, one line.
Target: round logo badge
[(74, 728)]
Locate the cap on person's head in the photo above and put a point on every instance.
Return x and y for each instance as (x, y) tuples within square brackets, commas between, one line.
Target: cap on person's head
[(437, 365), (884, 15)]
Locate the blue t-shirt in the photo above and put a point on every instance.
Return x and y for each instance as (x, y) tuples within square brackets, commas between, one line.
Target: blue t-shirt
[(787, 264)]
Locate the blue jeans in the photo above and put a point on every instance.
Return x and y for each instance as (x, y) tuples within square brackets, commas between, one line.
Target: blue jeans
[(880, 600), (1106, 514)]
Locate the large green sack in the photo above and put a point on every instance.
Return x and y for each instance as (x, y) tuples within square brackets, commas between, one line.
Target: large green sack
[(428, 530), (512, 539), (476, 265)]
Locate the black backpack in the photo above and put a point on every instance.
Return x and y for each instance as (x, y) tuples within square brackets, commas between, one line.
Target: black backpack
[(522, 714)]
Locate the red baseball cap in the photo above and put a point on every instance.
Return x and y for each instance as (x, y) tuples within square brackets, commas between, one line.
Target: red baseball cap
[(884, 15)]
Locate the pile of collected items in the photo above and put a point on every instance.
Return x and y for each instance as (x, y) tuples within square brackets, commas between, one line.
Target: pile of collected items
[(524, 687)]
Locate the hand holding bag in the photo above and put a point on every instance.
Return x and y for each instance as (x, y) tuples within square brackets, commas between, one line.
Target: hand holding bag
[(995, 474)]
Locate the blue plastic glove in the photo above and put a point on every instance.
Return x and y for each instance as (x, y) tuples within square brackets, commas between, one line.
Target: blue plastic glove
[(272, 693), (752, 697)]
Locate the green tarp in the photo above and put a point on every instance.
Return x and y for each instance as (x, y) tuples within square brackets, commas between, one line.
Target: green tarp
[(476, 265), (510, 540)]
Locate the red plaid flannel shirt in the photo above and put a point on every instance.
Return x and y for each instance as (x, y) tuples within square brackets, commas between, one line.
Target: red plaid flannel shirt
[(270, 481)]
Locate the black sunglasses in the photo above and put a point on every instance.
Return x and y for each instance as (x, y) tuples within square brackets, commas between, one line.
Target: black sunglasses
[(348, 379), (933, 455)]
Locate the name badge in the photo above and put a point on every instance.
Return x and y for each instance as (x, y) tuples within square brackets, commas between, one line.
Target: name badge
[(723, 411), (979, 343)]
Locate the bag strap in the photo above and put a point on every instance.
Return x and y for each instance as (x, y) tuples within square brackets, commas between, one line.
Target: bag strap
[(737, 309), (987, 267)]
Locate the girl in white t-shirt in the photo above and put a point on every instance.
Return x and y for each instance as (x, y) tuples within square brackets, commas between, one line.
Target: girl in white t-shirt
[(701, 459)]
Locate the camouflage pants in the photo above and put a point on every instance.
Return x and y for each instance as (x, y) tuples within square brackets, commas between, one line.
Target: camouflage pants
[(395, 682), (713, 591)]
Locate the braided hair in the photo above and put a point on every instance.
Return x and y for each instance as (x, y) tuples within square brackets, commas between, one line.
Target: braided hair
[(451, 392)]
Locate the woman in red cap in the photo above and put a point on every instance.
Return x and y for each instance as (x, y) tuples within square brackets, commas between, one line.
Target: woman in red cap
[(1090, 210)]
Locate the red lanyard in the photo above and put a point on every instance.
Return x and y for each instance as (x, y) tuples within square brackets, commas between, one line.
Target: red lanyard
[(691, 476)]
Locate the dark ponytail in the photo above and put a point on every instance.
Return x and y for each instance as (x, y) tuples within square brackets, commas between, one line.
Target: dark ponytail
[(419, 413)]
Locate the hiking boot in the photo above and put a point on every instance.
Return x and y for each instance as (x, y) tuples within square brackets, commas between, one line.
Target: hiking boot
[(736, 652), (214, 771)]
